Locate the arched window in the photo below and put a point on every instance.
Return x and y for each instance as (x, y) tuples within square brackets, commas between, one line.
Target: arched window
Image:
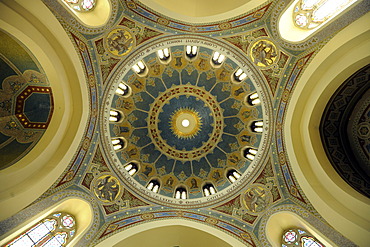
[(154, 185), (233, 175), (57, 229), (164, 54), (115, 116), (253, 99), (217, 59), (191, 51), (239, 75), (209, 189), (181, 193), (299, 237), (140, 68), (132, 168), (118, 143), (123, 89), (81, 5), (249, 153), (309, 14), (257, 126)]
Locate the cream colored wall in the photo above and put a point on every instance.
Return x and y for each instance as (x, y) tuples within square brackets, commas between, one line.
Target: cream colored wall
[(32, 23), (202, 11), (343, 207), (174, 235), (133, 235)]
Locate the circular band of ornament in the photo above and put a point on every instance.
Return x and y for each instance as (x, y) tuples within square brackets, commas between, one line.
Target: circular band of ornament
[(166, 125), (194, 119)]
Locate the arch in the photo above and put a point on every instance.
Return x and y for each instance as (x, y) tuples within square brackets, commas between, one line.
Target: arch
[(96, 17), (25, 181), (279, 222), (120, 237), (343, 207), (79, 208)]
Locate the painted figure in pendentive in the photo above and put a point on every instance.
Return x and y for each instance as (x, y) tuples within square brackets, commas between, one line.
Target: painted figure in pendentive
[(107, 189), (255, 200), (120, 41), (264, 53)]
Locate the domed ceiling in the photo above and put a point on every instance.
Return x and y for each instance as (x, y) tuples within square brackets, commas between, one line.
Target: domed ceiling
[(26, 101), (176, 133), (186, 121)]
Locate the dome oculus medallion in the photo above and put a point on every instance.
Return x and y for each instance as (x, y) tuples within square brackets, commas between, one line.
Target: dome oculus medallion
[(185, 113)]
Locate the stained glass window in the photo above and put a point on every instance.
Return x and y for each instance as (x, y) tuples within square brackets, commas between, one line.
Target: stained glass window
[(299, 237), (55, 230), (81, 5), (309, 14)]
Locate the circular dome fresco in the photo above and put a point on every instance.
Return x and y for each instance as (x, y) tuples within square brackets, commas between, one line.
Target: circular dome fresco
[(186, 121)]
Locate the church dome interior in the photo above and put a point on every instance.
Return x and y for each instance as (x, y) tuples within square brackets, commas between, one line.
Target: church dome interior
[(184, 123)]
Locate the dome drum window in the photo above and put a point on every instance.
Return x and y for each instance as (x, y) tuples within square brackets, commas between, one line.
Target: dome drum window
[(164, 55), (253, 99), (123, 90), (257, 126), (191, 51), (115, 116), (233, 175), (154, 185), (140, 69), (239, 75), (181, 193), (132, 168), (217, 59), (209, 189), (249, 153), (118, 143)]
